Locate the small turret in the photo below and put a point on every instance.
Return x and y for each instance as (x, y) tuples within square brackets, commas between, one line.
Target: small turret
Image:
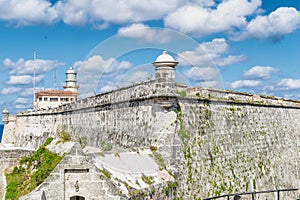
[(165, 73), (71, 81), (5, 116)]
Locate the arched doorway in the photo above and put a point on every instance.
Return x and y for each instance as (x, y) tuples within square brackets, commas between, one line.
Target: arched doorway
[(77, 198)]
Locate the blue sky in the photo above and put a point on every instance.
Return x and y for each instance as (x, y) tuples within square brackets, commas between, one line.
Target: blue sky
[(251, 46)]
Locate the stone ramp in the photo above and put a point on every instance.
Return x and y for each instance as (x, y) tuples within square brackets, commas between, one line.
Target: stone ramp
[(2, 184)]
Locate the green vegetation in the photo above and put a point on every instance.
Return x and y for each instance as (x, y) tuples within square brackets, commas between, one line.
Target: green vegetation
[(182, 132), (106, 173), (171, 187), (153, 148), (182, 93), (105, 146), (210, 96), (206, 103), (31, 172), (147, 179), (83, 141), (64, 136), (159, 159)]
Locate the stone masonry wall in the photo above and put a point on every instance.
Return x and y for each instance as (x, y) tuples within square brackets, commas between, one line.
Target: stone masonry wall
[(222, 144), (10, 156), (126, 117), (76, 168), (233, 147)]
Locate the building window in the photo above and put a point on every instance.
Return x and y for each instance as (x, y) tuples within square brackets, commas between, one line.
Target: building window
[(64, 99), (40, 99), (45, 99), (53, 99)]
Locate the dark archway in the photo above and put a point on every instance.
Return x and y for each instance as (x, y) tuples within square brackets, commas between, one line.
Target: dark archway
[(77, 198)]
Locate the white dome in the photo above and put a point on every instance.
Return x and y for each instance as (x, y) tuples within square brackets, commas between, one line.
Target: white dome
[(164, 57), (70, 71), (5, 111)]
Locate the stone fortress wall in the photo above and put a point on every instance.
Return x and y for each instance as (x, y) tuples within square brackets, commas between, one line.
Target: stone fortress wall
[(215, 141), (236, 143), (238, 146), (10, 156)]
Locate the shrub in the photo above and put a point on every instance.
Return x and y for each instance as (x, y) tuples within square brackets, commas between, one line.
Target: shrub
[(64, 136), (22, 180)]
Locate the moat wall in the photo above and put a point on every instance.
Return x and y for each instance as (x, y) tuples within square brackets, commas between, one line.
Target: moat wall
[(235, 144)]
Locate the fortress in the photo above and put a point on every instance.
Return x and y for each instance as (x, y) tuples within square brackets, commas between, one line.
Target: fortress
[(207, 141)]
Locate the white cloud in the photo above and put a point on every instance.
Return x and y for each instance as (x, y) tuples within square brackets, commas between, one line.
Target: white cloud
[(96, 69), (245, 83), (122, 80), (196, 17), (198, 20), (26, 67), (22, 106), (22, 100), (202, 74), (98, 11), (229, 60), (27, 92), (210, 54), (27, 12), (126, 79), (97, 65), (141, 31), (210, 84), (10, 90), (263, 72), (23, 79), (108, 87), (289, 84), (282, 21)]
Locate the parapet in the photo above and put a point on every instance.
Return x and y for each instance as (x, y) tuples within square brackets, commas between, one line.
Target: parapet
[(240, 97)]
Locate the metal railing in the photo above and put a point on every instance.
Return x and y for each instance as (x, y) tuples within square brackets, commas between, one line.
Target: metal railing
[(254, 193)]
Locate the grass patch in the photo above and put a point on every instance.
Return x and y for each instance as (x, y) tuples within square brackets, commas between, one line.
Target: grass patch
[(31, 172), (159, 159), (106, 173), (148, 179)]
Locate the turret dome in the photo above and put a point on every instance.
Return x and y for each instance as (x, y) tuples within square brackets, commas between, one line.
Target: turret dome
[(5, 111), (165, 57), (165, 60)]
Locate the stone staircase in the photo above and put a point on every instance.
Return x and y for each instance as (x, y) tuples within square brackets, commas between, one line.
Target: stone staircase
[(2, 185)]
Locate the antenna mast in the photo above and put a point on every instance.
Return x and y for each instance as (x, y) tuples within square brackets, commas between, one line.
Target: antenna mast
[(34, 75), (54, 78)]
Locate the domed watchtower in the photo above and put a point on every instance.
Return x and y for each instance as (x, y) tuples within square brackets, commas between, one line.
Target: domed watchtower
[(71, 81), (5, 116), (165, 73)]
